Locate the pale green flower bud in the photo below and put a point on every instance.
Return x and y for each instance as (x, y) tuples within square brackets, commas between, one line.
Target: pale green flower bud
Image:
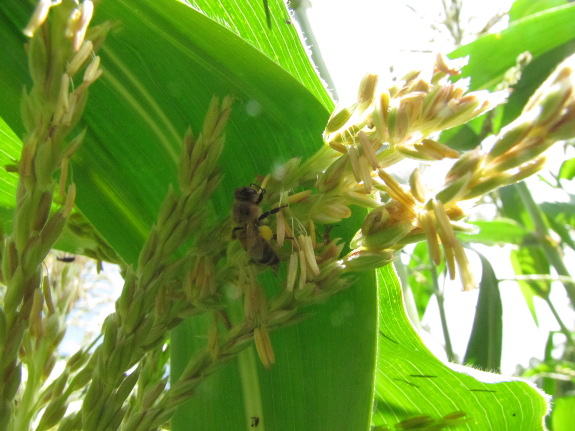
[(416, 186), (54, 412), (380, 115), (76, 63), (362, 260), (110, 334), (397, 124), (86, 9), (264, 346), (468, 163), (333, 175), (38, 17), (387, 237), (127, 385), (455, 190), (93, 71), (338, 119), (369, 150), (153, 394), (366, 91)]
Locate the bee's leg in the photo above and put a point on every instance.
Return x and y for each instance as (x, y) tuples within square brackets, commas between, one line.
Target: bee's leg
[(270, 212), (326, 237), (262, 192), (275, 237)]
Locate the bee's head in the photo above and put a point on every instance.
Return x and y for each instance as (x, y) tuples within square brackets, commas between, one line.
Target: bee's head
[(246, 194)]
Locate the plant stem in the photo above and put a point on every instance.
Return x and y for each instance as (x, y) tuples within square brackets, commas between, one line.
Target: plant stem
[(300, 11), (564, 328), (440, 304), (552, 252), (408, 296), (539, 277)]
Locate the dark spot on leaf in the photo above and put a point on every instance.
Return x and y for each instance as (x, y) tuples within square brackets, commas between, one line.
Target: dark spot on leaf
[(405, 381), (385, 336)]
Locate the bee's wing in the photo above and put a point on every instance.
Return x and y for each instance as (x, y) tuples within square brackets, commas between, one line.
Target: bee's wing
[(215, 237)]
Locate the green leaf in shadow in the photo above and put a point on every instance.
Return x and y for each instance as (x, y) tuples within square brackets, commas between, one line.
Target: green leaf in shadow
[(491, 55), (526, 261), (484, 346), (322, 378), (561, 218), (531, 78)]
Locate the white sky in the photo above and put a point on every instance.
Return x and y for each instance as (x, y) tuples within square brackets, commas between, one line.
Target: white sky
[(373, 35)]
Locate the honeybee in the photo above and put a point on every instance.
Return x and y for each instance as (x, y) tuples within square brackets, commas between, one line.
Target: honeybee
[(247, 215)]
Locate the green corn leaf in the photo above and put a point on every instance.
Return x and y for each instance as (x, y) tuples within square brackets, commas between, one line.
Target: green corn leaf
[(525, 262), (411, 382), (562, 416), (496, 232), (524, 8), (561, 218), (485, 342), (491, 55), (512, 207), (10, 146), (567, 170)]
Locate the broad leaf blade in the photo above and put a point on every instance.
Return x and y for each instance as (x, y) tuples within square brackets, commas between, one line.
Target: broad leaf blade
[(492, 56), (411, 382), (531, 78), (281, 42), (322, 378), (525, 261), (531, 260)]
